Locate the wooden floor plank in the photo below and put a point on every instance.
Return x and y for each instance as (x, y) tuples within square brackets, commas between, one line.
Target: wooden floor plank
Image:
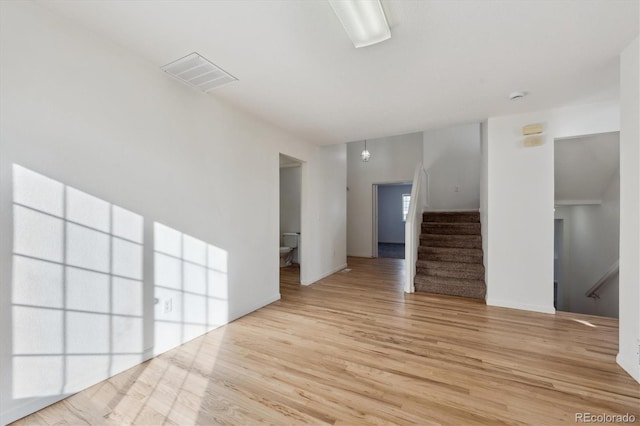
[(355, 349)]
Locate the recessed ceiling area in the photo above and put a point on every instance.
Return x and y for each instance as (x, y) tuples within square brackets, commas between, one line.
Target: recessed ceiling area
[(447, 62), (584, 167)]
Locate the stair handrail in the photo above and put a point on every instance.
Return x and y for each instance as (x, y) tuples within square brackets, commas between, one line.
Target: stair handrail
[(413, 225), (604, 280)]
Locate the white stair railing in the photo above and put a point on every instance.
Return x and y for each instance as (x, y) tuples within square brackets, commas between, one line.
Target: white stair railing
[(613, 270), (413, 225)]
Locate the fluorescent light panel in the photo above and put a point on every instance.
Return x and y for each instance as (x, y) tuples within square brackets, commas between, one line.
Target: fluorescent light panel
[(363, 20), (198, 72)]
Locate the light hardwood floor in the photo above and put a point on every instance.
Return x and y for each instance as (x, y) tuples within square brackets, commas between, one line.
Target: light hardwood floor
[(353, 349)]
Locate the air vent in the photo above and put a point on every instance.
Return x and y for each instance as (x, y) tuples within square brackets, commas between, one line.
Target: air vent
[(198, 72)]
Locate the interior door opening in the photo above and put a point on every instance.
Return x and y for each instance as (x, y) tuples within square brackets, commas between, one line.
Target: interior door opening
[(391, 204), (587, 224), (290, 235)]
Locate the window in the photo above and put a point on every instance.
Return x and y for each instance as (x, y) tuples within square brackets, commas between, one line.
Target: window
[(406, 198)]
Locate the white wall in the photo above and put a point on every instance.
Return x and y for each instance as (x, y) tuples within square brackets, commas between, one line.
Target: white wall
[(290, 202), (391, 227), (520, 199), (393, 160), (630, 211), (452, 159), (199, 177), (324, 212), (484, 194), (590, 247)]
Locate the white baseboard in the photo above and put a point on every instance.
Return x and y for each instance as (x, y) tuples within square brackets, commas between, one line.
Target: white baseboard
[(521, 306), (633, 371), (239, 313), (147, 354), (30, 406), (326, 274)]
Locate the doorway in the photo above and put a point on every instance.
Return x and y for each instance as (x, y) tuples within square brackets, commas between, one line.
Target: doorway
[(391, 205), (558, 228), (290, 221), (587, 223)]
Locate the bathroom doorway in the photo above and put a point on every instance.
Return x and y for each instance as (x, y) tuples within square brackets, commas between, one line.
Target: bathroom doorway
[(290, 221)]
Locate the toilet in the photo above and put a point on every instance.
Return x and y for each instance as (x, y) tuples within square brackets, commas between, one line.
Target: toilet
[(288, 253)]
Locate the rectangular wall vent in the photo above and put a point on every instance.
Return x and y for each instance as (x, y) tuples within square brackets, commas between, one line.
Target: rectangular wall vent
[(198, 72)]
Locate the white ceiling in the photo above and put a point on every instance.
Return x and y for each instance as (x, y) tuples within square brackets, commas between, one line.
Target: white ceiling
[(447, 61), (584, 167)]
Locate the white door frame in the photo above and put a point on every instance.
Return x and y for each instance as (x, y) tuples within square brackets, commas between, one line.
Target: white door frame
[(374, 230), (303, 187)]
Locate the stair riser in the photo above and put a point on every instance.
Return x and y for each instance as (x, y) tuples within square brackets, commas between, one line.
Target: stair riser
[(449, 229), (452, 291), (452, 273), (472, 217), (451, 251), (452, 237), (470, 267), (449, 257), (442, 281), (429, 242)]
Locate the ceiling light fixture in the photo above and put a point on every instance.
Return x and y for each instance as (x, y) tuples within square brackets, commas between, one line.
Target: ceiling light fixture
[(365, 155), (363, 20)]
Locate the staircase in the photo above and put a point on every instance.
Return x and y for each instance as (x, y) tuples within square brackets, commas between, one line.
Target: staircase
[(450, 255)]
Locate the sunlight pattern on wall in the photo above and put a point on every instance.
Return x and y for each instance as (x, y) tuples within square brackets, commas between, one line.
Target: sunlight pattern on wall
[(191, 290), (77, 291)]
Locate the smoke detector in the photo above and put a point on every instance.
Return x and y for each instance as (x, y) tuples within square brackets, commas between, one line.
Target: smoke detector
[(198, 72), (514, 96)]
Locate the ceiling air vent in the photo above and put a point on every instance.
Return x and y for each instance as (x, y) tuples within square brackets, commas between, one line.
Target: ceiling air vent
[(198, 72)]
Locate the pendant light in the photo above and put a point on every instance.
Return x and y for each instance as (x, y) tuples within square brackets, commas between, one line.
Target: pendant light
[(365, 155)]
